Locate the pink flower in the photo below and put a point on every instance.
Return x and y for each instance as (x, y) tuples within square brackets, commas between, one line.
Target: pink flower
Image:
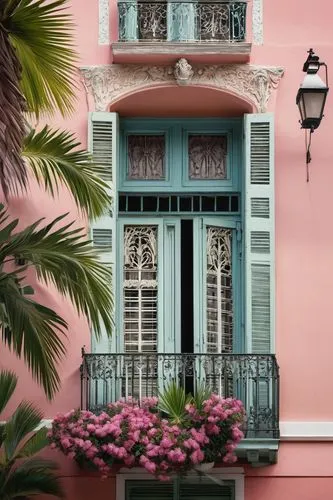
[(65, 443), (197, 457)]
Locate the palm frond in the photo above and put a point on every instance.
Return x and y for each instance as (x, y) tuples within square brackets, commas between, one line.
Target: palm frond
[(32, 477), (65, 258), (54, 159), (172, 401), (23, 421), (8, 382), (12, 169), (201, 394), (34, 444), (41, 33), (31, 331)]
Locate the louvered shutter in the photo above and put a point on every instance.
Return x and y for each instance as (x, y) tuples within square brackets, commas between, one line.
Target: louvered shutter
[(206, 491), (189, 489), (259, 233), (149, 490), (103, 143)]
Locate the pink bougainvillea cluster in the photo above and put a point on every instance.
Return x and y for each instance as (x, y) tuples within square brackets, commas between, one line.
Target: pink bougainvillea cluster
[(138, 435)]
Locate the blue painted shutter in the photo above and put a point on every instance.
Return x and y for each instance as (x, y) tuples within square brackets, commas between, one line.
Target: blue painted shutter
[(259, 233), (103, 143)]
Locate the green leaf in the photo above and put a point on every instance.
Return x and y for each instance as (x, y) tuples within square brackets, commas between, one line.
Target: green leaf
[(24, 421), (54, 158), (201, 395), (41, 33), (31, 331), (172, 401), (8, 382), (65, 258), (32, 477), (37, 442)]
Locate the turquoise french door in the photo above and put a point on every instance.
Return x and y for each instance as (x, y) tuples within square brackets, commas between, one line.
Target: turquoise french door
[(179, 284), (217, 298)]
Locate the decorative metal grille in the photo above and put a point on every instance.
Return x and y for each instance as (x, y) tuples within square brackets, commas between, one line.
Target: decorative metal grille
[(140, 288), (253, 378), (212, 20), (207, 156), (146, 157), (152, 21), (219, 290)]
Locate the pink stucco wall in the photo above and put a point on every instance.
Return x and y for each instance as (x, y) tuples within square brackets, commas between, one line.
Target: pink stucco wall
[(304, 234), (304, 241)]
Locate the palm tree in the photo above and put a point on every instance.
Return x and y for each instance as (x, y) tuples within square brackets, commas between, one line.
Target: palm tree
[(37, 75), (23, 475), (63, 257), (37, 78)]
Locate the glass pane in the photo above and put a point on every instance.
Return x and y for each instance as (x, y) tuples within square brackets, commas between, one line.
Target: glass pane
[(219, 290), (146, 157), (207, 156)]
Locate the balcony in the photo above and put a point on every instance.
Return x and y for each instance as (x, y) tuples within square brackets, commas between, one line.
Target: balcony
[(252, 378), (172, 29)]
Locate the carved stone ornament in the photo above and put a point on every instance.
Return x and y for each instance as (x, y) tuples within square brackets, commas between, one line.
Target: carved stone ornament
[(110, 83), (183, 72)]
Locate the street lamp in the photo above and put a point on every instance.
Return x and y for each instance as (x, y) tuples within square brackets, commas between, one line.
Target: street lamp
[(311, 96), (311, 99)]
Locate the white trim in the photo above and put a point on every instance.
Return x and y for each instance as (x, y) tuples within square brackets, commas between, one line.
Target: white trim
[(258, 22), (306, 431), (103, 22), (233, 474)]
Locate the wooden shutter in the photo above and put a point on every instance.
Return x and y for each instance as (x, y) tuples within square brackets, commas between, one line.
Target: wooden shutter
[(259, 233), (103, 143)]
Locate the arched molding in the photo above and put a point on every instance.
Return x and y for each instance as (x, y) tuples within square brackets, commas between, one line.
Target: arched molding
[(110, 83)]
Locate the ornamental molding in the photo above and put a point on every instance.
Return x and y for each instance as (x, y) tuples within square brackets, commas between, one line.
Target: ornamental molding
[(258, 22), (110, 83), (103, 22)]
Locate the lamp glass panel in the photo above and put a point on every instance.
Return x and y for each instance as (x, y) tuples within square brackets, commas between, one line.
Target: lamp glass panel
[(312, 104)]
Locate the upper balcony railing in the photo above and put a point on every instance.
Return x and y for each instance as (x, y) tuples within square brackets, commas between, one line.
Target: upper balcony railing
[(254, 379), (182, 21)]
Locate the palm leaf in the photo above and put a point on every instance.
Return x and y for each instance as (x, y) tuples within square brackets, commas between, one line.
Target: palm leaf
[(41, 33), (12, 107), (31, 330), (34, 444), (24, 421), (33, 477), (8, 382), (172, 401), (66, 259), (54, 159), (201, 394)]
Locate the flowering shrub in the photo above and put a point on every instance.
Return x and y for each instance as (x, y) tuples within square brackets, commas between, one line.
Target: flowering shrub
[(133, 434)]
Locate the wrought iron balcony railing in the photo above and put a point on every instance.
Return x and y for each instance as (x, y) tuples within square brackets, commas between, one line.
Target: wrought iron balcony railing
[(176, 21), (254, 379)]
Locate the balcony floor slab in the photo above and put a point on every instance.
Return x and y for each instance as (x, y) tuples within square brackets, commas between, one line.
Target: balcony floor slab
[(168, 52)]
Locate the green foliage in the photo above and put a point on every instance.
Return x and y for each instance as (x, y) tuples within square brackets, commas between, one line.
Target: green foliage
[(54, 159), (19, 440), (41, 33), (172, 401), (201, 394), (66, 259)]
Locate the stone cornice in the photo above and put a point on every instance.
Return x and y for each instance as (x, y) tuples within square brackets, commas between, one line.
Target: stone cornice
[(110, 83)]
